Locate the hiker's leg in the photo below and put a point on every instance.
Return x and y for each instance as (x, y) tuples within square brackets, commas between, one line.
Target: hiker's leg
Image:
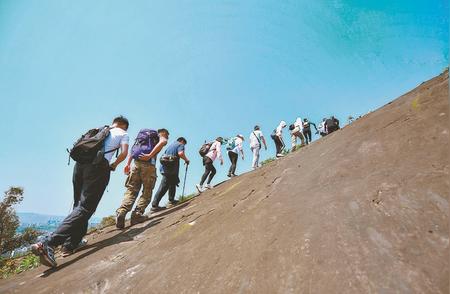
[(173, 182), (255, 152), (95, 180), (163, 187), (205, 175), (206, 161), (234, 159), (293, 140), (133, 185), (212, 173), (230, 156), (302, 138), (148, 176), (77, 182)]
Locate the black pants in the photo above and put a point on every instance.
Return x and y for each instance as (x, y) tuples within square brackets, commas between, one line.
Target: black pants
[(278, 144), (89, 184), (168, 183), (233, 158), (308, 136), (209, 170)]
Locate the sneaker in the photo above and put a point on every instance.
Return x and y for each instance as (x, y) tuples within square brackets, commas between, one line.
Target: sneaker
[(229, 175), (172, 204), (280, 155), (233, 175), (120, 220), (199, 188), (208, 186), (137, 218), (46, 254), (157, 208)]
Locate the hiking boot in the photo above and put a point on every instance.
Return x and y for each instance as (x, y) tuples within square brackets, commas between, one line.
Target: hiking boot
[(199, 188), (172, 204), (66, 251), (46, 254), (137, 217), (120, 220), (157, 208)]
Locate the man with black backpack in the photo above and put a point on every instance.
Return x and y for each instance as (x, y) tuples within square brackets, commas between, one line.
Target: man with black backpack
[(331, 125), (143, 175), (93, 154), (170, 168)]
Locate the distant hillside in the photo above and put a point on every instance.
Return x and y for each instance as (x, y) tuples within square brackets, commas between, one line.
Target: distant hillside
[(44, 222)]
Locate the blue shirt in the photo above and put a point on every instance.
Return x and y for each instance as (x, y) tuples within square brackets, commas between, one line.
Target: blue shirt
[(173, 150)]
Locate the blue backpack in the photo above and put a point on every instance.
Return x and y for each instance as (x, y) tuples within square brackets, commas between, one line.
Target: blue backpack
[(231, 143), (145, 141)]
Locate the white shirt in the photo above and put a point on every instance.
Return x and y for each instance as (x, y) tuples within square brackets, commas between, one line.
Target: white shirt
[(215, 151), (254, 136), (117, 138), (299, 123), (238, 145)]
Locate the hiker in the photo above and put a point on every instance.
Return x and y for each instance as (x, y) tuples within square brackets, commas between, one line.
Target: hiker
[(210, 151), (256, 137), (277, 137), (143, 175), (91, 175), (169, 168), (307, 130), (296, 132), (234, 147), (331, 125), (321, 129)]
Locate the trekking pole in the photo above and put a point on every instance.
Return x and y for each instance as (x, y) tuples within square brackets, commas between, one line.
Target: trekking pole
[(184, 182)]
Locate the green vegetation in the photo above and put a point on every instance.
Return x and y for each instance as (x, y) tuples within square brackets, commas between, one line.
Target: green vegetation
[(107, 221), (185, 198), (9, 222), (268, 160), (12, 266)]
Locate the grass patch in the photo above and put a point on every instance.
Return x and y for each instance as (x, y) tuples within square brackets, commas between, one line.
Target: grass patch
[(268, 160), (185, 198), (13, 266)]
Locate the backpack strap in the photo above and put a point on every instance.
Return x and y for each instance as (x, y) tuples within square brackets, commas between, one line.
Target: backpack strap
[(259, 141)]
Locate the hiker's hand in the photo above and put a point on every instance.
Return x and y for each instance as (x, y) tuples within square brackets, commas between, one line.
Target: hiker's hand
[(187, 162), (112, 166), (265, 147), (144, 157), (242, 157), (126, 169), (221, 162)]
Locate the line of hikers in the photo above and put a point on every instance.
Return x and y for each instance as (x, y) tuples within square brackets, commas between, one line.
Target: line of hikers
[(93, 154)]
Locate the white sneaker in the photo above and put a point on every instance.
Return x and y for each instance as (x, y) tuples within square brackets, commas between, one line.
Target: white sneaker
[(199, 188), (280, 155), (208, 186)]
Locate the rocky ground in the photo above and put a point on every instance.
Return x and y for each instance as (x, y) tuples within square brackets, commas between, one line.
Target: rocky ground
[(364, 210)]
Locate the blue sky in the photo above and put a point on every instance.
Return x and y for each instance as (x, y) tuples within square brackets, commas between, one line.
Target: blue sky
[(200, 69)]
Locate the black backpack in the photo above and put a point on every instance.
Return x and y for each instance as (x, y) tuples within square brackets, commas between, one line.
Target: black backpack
[(87, 148), (204, 149)]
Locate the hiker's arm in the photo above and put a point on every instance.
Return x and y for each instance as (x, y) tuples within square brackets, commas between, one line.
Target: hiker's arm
[(182, 155), (123, 154), (162, 142), (314, 125), (264, 141), (126, 169), (242, 151), (219, 153)]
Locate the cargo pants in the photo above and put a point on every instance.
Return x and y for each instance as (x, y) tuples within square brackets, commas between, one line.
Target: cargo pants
[(143, 175)]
